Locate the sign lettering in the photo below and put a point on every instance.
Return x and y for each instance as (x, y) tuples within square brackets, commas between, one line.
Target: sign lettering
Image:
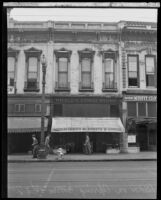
[(140, 98)]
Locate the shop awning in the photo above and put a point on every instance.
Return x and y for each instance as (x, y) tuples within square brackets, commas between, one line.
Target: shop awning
[(25, 124), (84, 124)]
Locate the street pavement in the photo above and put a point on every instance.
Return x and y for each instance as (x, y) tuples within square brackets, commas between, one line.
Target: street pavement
[(83, 180), (141, 156)]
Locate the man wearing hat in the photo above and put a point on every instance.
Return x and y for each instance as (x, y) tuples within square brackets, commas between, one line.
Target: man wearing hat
[(35, 146)]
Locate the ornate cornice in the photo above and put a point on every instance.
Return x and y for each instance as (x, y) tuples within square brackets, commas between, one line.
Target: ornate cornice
[(63, 53), (86, 53)]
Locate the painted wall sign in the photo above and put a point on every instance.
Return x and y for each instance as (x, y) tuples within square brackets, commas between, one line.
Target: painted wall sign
[(11, 90), (85, 100), (131, 138), (140, 98), (84, 129)]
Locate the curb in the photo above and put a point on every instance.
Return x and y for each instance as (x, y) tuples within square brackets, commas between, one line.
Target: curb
[(103, 160)]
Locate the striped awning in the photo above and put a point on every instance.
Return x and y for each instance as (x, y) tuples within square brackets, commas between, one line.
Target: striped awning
[(25, 124), (85, 124)]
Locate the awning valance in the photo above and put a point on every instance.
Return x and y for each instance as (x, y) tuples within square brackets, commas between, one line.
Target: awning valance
[(85, 124), (25, 124)]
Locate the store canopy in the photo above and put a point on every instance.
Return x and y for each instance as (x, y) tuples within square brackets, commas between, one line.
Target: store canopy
[(84, 124), (25, 124)]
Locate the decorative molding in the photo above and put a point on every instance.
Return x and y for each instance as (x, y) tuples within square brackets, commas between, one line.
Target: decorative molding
[(86, 53), (61, 53)]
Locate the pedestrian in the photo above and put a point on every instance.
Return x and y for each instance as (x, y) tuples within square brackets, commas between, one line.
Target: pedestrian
[(87, 145), (35, 146), (47, 141)]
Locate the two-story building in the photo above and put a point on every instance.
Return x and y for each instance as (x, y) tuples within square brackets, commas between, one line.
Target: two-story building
[(94, 71)]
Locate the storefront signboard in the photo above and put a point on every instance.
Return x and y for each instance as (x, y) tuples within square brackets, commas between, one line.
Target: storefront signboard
[(11, 90), (131, 138), (140, 98)]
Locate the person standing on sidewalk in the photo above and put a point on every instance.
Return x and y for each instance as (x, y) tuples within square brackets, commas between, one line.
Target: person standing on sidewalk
[(47, 141), (35, 146), (87, 145)]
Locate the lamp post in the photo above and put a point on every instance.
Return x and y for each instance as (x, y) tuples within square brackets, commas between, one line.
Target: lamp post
[(42, 151)]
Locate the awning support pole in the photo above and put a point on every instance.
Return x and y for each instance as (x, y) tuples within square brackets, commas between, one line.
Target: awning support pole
[(124, 143)]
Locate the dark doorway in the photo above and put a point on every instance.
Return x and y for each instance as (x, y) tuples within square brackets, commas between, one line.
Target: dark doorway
[(142, 137)]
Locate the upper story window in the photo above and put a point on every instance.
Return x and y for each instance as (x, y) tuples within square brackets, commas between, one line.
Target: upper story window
[(32, 76), (133, 73), (12, 67), (11, 71), (62, 70), (86, 69), (109, 71), (150, 70), (63, 73)]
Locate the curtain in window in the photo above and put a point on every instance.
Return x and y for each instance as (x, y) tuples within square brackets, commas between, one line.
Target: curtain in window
[(86, 73), (63, 72), (11, 70), (109, 73)]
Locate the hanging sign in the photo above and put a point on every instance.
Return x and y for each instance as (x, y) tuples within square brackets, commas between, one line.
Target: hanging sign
[(131, 138)]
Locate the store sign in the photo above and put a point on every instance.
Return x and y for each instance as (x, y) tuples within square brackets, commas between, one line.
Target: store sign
[(11, 90), (140, 98), (79, 129), (131, 138)]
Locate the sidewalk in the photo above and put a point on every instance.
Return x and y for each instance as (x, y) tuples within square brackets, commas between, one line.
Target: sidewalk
[(141, 156)]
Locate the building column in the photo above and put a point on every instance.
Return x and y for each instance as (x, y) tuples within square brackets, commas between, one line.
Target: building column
[(124, 141)]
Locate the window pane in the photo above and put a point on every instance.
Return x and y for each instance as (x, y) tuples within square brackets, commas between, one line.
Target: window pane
[(132, 63), (133, 82), (152, 110), (149, 64), (150, 81), (63, 64), (131, 106), (141, 109), (86, 65), (86, 80), (108, 65), (32, 64), (109, 82), (62, 77), (11, 78), (114, 111), (132, 74), (11, 63), (133, 59), (32, 75)]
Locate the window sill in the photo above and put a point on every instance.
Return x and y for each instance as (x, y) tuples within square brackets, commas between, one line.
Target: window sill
[(62, 89), (86, 90), (109, 90), (31, 90)]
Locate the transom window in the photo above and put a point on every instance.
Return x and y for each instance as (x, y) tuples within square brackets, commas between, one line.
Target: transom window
[(133, 70), (11, 71), (150, 71)]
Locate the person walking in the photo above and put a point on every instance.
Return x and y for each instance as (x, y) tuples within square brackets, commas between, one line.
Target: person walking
[(35, 146), (47, 141), (87, 145)]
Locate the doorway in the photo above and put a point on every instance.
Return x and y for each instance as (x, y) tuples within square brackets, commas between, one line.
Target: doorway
[(142, 137)]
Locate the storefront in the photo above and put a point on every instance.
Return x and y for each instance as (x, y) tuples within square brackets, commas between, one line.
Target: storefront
[(69, 132), (142, 120), (86, 107), (20, 130)]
